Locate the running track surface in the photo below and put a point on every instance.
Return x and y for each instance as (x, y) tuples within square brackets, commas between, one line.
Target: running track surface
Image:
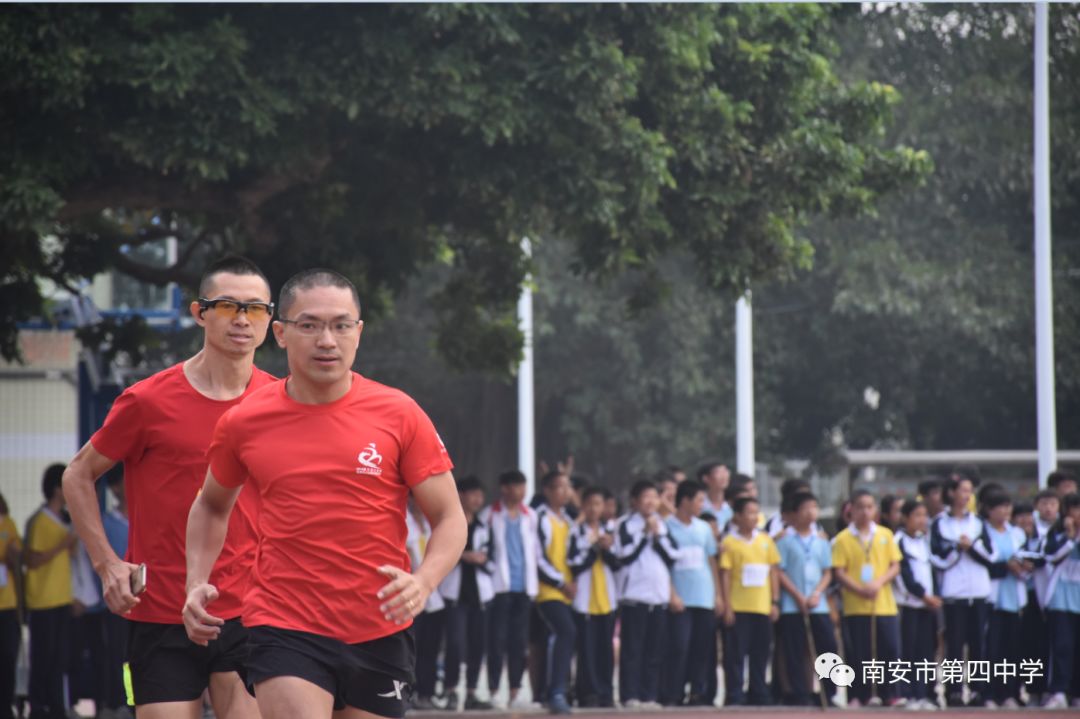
[(759, 713)]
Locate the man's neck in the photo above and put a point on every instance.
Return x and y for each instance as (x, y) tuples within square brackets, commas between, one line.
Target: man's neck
[(863, 529), (804, 531), (958, 512), (684, 515), (306, 392), (716, 497), (748, 533), (56, 506), (512, 508), (593, 523), (217, 375), (999, 526)]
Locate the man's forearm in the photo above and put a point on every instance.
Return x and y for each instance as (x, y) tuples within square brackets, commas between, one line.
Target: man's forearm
[(82, 502), (206, 530)]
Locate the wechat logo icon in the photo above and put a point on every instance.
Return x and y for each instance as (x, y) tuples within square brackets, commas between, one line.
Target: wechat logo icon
[(831, 666)]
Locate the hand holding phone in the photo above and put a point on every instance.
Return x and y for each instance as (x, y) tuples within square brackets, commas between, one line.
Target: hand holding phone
[(138, 580)]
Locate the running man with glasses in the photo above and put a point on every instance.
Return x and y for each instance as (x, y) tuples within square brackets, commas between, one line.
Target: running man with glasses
[(160, 429), (333, 457)]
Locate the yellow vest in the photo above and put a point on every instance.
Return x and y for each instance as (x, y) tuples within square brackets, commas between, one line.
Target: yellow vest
[(556, 554), (48, 586)]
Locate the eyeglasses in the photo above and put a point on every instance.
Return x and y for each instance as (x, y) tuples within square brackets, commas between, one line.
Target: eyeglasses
[(254, 310), (315, 328)]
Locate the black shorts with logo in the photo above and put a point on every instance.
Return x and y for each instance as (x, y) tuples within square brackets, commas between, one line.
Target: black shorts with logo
[(375, 676), (166, 666)]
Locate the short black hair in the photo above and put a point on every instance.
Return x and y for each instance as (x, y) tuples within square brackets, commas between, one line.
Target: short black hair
[(887, 503), (688, 490), (969, 472), (608, 494), (741, 504), (592, 491), (708, 517), (512, 476), (549, 479), (1023, 508), (1058, 476), (1046, 494), (309, 280), (469, 483), (641, 486), (987, 489), (733, 491), (909, 506), (995, 499), (952, 484), (792, 486), (929, 485), (859, 494), (578, 482), (707, 468), (52, 480), (231, 264), (1067, 503), (794, 502)]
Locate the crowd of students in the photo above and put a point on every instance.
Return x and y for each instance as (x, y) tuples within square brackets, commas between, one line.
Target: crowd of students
[(692, 579), (77, 647)]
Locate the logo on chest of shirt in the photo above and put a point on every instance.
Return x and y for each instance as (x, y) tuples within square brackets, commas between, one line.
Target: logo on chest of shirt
[(371, 459)]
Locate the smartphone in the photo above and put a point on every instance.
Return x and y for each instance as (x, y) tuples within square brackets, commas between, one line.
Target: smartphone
[(138, 580)]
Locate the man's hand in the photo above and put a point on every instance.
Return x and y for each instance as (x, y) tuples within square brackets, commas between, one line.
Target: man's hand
[(729, 617), (676, 605), (652, 525), (1070, 527), (719, 605), (116, 586), (605, 542), (964, 542), (869, 590), (201, 626), (774, 613), (933, 602), (569, 590), (813, 600), (404, 597), (77, 608)]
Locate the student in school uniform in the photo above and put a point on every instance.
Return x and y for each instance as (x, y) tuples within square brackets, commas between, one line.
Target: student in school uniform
[(646, 554), (467, 591), (716, 477), (914, 591), (1034, 643), (593, 563), (1062, 550), (557, 586), (695, 591), (782, 520), (750, 584), (1008, 596), (513, 531), (805, 574), (962, 551), (49, 543), (866, 560), (429, 626)]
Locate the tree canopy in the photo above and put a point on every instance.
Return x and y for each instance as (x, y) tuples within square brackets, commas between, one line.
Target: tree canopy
[(380, 140)]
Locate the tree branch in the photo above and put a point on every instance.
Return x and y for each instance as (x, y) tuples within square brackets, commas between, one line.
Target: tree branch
[(162, 275)]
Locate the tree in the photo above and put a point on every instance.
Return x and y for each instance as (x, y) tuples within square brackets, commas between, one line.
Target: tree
[(929, 303), (381, 139)]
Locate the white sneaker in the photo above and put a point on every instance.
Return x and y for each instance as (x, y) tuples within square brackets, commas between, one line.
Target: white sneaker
[(874, 702), (1010, 703), (990, 704), (930, 705), (654, 706), (854, 704), (632, 704), (1056, 701)]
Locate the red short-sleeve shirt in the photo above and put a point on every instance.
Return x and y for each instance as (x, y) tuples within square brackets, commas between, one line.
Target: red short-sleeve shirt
[(333, 480), (160, 429)]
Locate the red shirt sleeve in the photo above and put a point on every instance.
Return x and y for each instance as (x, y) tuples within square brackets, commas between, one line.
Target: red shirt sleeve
[(226, 467), (424, 454), (122, 438)]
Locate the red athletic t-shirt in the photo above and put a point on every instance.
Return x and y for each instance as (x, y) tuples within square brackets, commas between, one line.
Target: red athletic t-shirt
[(160, 429), (333, 480)]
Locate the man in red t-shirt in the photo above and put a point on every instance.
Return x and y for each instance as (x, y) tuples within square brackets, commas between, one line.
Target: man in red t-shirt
[(160, 429), (333, 457)]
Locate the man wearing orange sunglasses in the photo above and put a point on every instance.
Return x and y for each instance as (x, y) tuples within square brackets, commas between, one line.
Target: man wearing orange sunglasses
[(160, 429)]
